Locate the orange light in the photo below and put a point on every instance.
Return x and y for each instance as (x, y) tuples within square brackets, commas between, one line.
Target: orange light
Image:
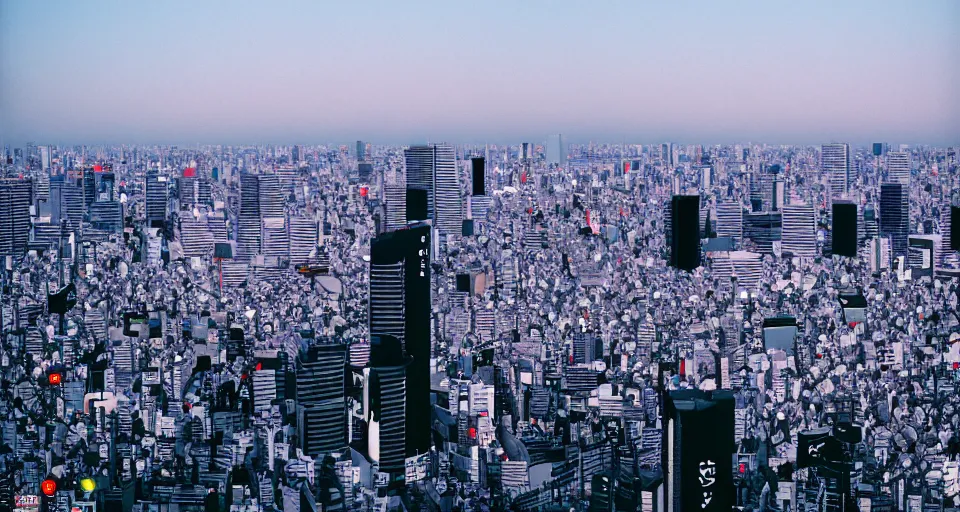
[(55, 379), (49, 487)]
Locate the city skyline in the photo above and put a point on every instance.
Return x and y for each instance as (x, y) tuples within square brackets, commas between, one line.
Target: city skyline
[(406, 74)]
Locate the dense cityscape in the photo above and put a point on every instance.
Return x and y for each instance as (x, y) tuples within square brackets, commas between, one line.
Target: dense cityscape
[(535, 326)]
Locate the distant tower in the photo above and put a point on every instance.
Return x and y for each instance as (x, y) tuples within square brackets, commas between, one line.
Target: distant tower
[(898, 167), (685, 231), (15, 200), (361, 151), (835, 162), (433, 169), (556, 151), (156, 199), (895, 216)]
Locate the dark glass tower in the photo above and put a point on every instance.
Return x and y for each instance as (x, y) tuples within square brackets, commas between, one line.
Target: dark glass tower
[(385, 403), (685, 226), (895, 216), (400, 306), (15, 199), (698, 450), (321, 406)]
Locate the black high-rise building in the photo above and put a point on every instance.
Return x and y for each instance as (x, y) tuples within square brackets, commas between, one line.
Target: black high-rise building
[(400, 305), (698, 449), (478, 165), (385, 403), (156, 192), (321, 403), (955, 228), (685, 231), (895, 216), (844, 232)]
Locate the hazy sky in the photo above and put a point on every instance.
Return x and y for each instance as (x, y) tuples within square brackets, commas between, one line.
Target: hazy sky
[(410, 71)]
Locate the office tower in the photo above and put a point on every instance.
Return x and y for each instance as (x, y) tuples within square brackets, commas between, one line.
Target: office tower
[(843, 235), (361, 153), (898, 167), (417, 205), (296, 154), (895, 216), (479, 200), (385, 402), (45, 158), (321, 403), (16, 196), (835, 162), (953, 239), (763, 229), (556, 151), (66, 201), (303, 239), (923, 254), (434, 169), (88, 177), (248, 219), (698, 450), (685, 231), (395, 197), (871, 225), (799, 236), (400, 306), (156, 199), (730, 221), (364, 171), (877, 148)]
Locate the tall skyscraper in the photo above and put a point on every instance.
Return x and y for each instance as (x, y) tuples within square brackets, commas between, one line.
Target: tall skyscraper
[(895, 216), (433, 168), (556, 151), (479, 200), (156, 199), (249, 226), (400, 306), (844, 233), (385, 403), (395, 204), (15, 200), (730, 221), (361, 151), (835, 162), (698, 450), (799, 235), (321, 405), (898, 167), (685, 228)]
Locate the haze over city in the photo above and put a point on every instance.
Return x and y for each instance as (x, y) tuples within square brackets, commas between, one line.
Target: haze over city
[(405, 72)]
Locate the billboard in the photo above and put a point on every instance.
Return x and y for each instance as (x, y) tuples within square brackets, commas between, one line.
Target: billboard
[(701, 427)]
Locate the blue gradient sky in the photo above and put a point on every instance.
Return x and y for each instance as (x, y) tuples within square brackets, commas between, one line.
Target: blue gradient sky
[(401, 72)]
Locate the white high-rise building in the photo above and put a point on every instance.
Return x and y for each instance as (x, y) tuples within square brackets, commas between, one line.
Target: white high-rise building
[(898, 167), (835, 162), (799, 235)]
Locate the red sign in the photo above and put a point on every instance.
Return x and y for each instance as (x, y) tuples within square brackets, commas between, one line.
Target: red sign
[(55, 379), (98, 168), (364, 191), (190, 172), (626, 167), (49, 487)]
